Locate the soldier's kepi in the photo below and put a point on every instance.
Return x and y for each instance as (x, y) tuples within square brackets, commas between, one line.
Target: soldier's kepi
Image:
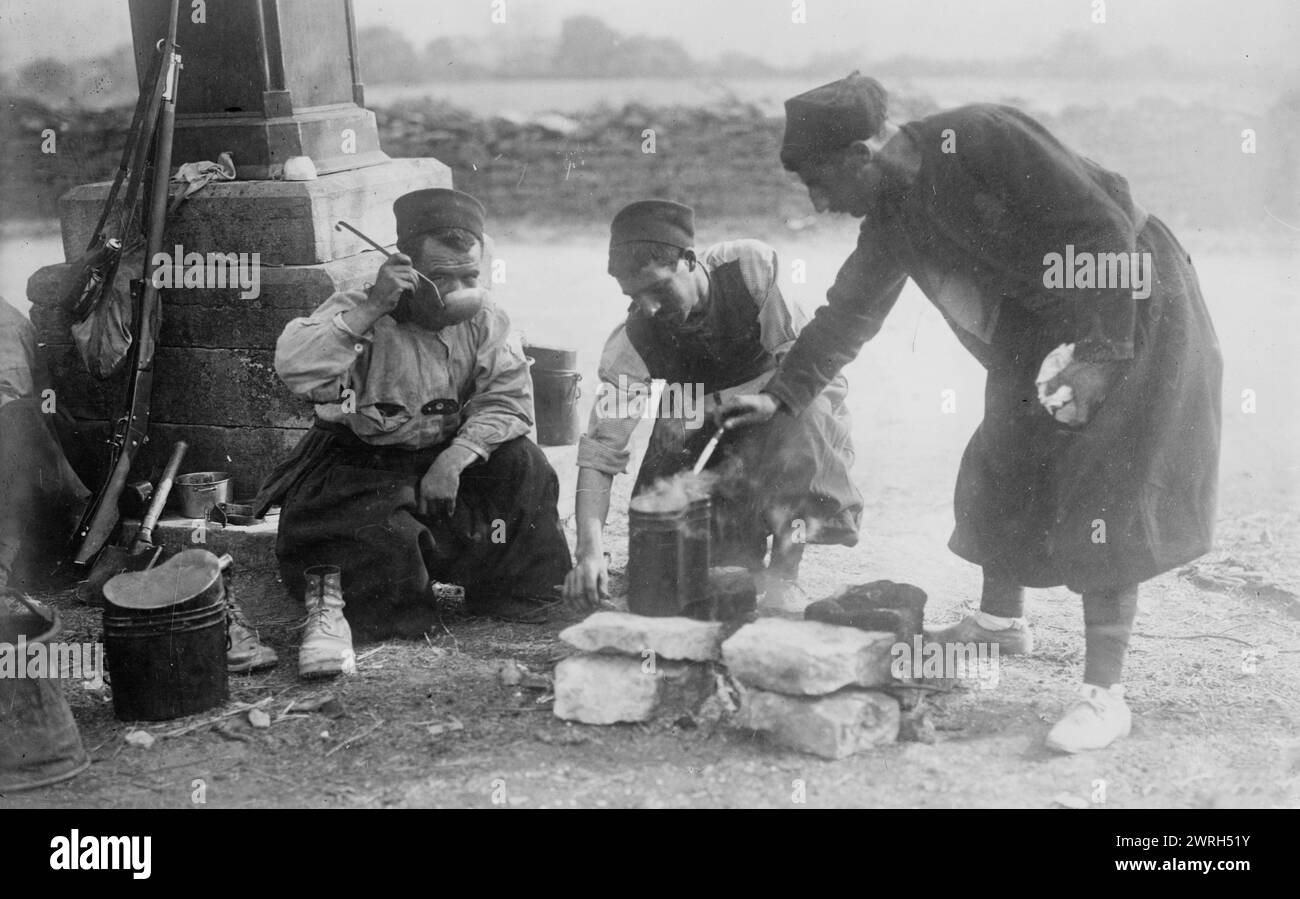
[(711, 324), (1096, 463)]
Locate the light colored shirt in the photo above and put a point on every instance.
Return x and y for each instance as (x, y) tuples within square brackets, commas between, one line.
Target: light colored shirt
[(396, 370), (18, 360), (605, 445)]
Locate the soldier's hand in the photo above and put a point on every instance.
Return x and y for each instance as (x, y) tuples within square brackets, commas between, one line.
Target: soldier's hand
[(1087, 383), (396, 276), (588, 583), (438, 488), (746, 411)]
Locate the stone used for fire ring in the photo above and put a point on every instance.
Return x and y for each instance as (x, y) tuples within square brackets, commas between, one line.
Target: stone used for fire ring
[(832, 727), (684, 639), (807, 658), (607, 689)]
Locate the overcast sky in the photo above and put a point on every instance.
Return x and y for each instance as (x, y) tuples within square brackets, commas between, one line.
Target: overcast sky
[(1247, 32)]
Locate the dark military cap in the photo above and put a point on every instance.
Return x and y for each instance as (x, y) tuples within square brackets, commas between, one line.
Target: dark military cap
[(831, 117), (422, 211), (660, 221)]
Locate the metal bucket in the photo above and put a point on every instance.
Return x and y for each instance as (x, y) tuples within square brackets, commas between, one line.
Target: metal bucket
[(654, 561), (555, 399), (39, 740), (697, 556), (669, 552), (550, 358), (200, 491), (165, 638)]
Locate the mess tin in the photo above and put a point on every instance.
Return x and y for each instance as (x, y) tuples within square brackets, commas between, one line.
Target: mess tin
[(199, 491), (165, 637), (240, 514)]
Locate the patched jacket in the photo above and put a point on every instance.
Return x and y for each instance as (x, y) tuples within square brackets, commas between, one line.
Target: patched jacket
[(403, 385)]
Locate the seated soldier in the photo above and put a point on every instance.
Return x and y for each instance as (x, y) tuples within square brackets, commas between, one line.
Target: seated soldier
[(41, 498), (418, 468), (712, 325)]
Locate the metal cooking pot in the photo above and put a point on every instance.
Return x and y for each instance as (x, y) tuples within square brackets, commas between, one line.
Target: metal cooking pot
[(200, 491)]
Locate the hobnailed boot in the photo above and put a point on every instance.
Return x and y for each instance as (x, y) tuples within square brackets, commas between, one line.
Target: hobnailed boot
[(245, 650), (326, 649)]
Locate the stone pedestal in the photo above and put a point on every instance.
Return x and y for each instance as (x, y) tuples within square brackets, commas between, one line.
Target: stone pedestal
[(287, 222), (215, 383), (265, 80)]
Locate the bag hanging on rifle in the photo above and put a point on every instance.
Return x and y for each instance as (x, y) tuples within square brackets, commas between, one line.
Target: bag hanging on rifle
[(105, 337)]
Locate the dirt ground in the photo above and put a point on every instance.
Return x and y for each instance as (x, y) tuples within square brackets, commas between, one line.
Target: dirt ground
[(431, 723)]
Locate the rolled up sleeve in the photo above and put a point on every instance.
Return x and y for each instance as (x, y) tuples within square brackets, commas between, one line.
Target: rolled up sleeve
[(609, 431)]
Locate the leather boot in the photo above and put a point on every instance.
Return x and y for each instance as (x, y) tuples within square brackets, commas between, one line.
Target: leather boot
[(326, 649), (245, 650)]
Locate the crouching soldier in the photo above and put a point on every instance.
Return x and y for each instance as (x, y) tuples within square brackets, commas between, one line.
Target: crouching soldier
[(418, 469), (712, 325)]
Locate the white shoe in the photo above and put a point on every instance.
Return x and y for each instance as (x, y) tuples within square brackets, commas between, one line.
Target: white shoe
[(326, 648), (1098, 718)]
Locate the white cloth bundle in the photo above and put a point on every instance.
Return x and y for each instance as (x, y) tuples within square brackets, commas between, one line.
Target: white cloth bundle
[(1056, 402)]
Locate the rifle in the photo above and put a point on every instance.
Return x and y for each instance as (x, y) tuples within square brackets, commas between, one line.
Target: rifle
[(98, 266), (131, 432)]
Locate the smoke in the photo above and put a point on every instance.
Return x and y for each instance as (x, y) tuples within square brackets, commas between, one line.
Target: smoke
[(676, 492)]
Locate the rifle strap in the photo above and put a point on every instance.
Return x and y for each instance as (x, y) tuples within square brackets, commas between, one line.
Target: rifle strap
[(135, 154), (142, 106)]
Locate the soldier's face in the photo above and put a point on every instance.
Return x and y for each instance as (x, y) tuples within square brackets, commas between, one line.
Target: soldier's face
[(454, 272), (839, 182), (666, 292)]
